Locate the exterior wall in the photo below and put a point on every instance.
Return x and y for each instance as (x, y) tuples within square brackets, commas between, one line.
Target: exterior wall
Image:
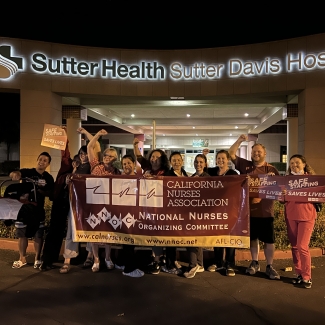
[(254, 55), (272, 143), (38, 108), (41, 92), (311, 125)]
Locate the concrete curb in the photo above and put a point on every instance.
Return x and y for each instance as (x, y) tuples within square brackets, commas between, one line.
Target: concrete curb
[(241, 254)]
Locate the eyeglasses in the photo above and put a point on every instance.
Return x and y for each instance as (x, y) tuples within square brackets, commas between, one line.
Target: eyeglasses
[(109, 156)]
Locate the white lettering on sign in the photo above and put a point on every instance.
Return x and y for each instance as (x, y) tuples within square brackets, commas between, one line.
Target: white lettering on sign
[(195, 71), (301, 61), (110, 68), (237, 68)]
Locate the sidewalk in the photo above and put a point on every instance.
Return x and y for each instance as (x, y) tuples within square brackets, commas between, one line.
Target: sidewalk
[(31, 297)]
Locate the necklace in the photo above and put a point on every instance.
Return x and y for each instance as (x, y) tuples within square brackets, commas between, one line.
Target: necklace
[(223, 173)]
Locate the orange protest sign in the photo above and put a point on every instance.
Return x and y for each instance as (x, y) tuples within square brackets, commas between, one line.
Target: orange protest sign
[(54, 137)]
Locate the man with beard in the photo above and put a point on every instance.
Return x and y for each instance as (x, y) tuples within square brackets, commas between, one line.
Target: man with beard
[(261, 210)]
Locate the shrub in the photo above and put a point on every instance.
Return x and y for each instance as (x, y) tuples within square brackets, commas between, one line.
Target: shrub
[(280, 166)]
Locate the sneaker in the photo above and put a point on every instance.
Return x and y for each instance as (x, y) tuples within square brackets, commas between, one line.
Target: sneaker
[(297, 280), (119, 267), (135, 274), (215, 268), (37, 264), (175, 271), (191, 273), (200, 269), (272, 273), (164, 269), (307, 283), (109, 264), (253, 268), (154, 268), (230, 271), (178, 266)]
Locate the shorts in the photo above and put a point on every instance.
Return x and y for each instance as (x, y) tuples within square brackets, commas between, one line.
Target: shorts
[(262, 229), (21, 230)]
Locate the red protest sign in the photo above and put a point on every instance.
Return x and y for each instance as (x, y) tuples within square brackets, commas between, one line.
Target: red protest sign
[(305, 188)]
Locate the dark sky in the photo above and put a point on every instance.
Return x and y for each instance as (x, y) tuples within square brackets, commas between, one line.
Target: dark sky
[(138, 25)]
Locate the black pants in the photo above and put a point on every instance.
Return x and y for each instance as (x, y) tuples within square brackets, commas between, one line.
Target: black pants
[(56, 232), (195, 256), (170, 257), (128, 258), (229, 257)]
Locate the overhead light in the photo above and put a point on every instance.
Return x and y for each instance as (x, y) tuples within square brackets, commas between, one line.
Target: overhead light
[(196, 134), (236, 127), (163, 135), (188, 115), (193, 127), (230, 134), (176, 98), (132, 115), (151, 127), (246, 114)]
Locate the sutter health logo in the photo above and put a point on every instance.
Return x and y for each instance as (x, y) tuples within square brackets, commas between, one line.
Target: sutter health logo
[(9, 65)]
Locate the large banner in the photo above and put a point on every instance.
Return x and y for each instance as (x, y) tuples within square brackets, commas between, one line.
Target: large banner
[(164, 211)]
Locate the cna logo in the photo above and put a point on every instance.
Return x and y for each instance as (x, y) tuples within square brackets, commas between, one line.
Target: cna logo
[(9, 65), (151, 193), (97, 191), (125, 192)]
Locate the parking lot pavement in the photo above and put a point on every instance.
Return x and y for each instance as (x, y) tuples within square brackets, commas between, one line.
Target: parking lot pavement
[(28, 296)]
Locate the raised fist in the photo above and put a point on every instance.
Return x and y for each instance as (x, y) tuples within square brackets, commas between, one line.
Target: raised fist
[(243, 137)]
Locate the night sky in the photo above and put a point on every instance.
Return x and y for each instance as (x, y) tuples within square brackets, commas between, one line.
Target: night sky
[(138, 25)]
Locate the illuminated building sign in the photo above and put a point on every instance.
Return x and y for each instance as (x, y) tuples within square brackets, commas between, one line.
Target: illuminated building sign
[(110, 68), (104, 68)]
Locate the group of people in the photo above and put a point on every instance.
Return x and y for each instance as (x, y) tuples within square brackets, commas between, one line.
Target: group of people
[(300, 217)]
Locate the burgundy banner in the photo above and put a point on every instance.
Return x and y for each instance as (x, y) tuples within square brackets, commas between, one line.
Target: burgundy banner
[(266, 186), (305, 188), (164, 211)]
